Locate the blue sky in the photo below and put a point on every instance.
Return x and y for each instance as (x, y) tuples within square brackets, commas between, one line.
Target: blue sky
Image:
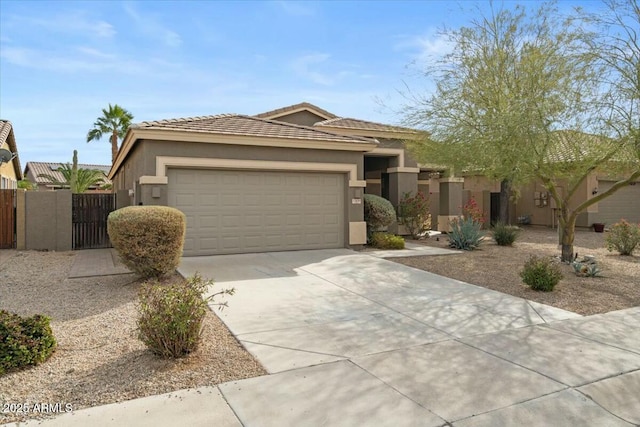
[(62, 62)]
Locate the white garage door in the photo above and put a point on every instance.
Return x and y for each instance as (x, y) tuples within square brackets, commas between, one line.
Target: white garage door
[(624, 203), (232, 211)]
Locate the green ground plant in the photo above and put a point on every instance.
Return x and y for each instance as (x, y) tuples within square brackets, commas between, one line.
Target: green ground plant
[(541, 274), (170, 316), (24, 341), (623, 237)]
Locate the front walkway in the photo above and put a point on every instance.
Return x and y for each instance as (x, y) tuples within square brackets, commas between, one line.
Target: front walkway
[(350, 339)]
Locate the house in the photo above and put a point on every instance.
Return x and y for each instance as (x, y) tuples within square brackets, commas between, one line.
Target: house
[(34, 172), (11, 172), (287, 179)]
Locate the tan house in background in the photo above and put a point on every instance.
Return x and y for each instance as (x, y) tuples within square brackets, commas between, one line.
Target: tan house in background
[(33, 172), (10, 173)]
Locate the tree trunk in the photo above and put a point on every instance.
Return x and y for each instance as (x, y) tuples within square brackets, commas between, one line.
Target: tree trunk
[(114, 146), (505, 198), (567, 236)]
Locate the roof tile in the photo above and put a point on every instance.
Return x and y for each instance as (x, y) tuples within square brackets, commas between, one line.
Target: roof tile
[(241, 125)]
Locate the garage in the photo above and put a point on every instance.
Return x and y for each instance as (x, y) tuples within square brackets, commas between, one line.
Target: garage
[(624, 203), (242, 211)]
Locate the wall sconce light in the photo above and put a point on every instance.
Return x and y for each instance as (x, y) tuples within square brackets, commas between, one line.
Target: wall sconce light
[(594, 191)]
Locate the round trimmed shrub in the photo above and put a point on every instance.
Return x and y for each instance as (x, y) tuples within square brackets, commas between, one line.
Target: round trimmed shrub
[(378, 212), (149, 239)]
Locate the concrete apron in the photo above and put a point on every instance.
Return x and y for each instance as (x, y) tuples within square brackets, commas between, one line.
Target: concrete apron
[(350, 339)]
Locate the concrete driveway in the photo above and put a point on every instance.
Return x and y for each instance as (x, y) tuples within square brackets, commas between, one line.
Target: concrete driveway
[(353, 339)]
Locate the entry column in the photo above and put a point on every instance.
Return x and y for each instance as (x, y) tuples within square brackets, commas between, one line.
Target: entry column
[(450, 202)]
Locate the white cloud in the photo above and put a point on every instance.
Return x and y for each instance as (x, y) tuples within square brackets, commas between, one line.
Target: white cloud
[(152, 28), (304, 65), (76, 22), (425, 47)]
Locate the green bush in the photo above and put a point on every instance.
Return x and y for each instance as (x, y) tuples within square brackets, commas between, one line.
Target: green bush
[(504, 234), (623, 237), (378, 212), (149, 239), (541, 274), (465, 234), (170, 316), (413, 213), (24, 341), (386, 241)]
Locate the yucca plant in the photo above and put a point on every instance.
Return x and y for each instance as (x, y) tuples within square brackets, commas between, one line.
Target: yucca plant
[(465, 234)]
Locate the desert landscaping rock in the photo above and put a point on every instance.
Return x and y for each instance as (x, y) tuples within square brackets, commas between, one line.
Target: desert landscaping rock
[(99, 359), (497, 267)]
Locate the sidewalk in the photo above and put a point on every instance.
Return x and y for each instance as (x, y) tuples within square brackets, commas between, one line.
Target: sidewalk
[(96, 262)]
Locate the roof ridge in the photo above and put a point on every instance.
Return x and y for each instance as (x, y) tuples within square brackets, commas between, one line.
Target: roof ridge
[(312, 128), (182, 119), (295, 107)]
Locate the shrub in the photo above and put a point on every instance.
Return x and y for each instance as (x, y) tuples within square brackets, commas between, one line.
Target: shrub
[(149, 239), (504, 234), (623, 237), (386, 241), (541, 274), (413, 213), (24, 341), (465, 234), (170, 316), (470, 210), (378, 212), (584, 269)]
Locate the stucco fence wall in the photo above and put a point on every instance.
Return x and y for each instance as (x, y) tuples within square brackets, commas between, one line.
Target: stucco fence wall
[(44, 220)]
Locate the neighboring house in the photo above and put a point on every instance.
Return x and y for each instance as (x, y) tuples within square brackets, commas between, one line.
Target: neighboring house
[(33, 171), (10, 173), (287, 179)]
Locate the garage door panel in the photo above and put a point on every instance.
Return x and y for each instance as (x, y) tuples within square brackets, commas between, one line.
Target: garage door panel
[(255, 211), (624, 203)]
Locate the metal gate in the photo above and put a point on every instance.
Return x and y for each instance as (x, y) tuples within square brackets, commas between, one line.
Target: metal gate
[(90, 212), (7, 219)]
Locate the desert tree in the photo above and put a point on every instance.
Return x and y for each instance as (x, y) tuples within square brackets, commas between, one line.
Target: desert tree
[(114, 122), (518, 100)]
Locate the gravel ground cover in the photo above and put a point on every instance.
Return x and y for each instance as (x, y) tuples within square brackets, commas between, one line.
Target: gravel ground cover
[(497, 267), (99, 358)]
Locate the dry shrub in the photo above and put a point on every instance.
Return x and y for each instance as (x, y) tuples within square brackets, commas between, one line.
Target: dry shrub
[(149, 239)]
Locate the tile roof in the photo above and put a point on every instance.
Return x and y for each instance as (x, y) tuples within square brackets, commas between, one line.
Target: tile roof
[(301, 106), (7, 135), (47, 168), (349, 123), (241, 125)]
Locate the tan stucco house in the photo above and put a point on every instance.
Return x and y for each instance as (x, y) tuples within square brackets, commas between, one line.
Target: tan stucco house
[(291, 178), (10, 173), (287, 179)]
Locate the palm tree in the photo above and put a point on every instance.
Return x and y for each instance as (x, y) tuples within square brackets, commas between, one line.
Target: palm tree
[(78, 180), (114, 122)]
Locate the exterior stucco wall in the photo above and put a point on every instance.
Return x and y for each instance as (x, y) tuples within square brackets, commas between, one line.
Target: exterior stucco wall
[(48, 222), (145, 164), (142, 162), (8, 176)]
